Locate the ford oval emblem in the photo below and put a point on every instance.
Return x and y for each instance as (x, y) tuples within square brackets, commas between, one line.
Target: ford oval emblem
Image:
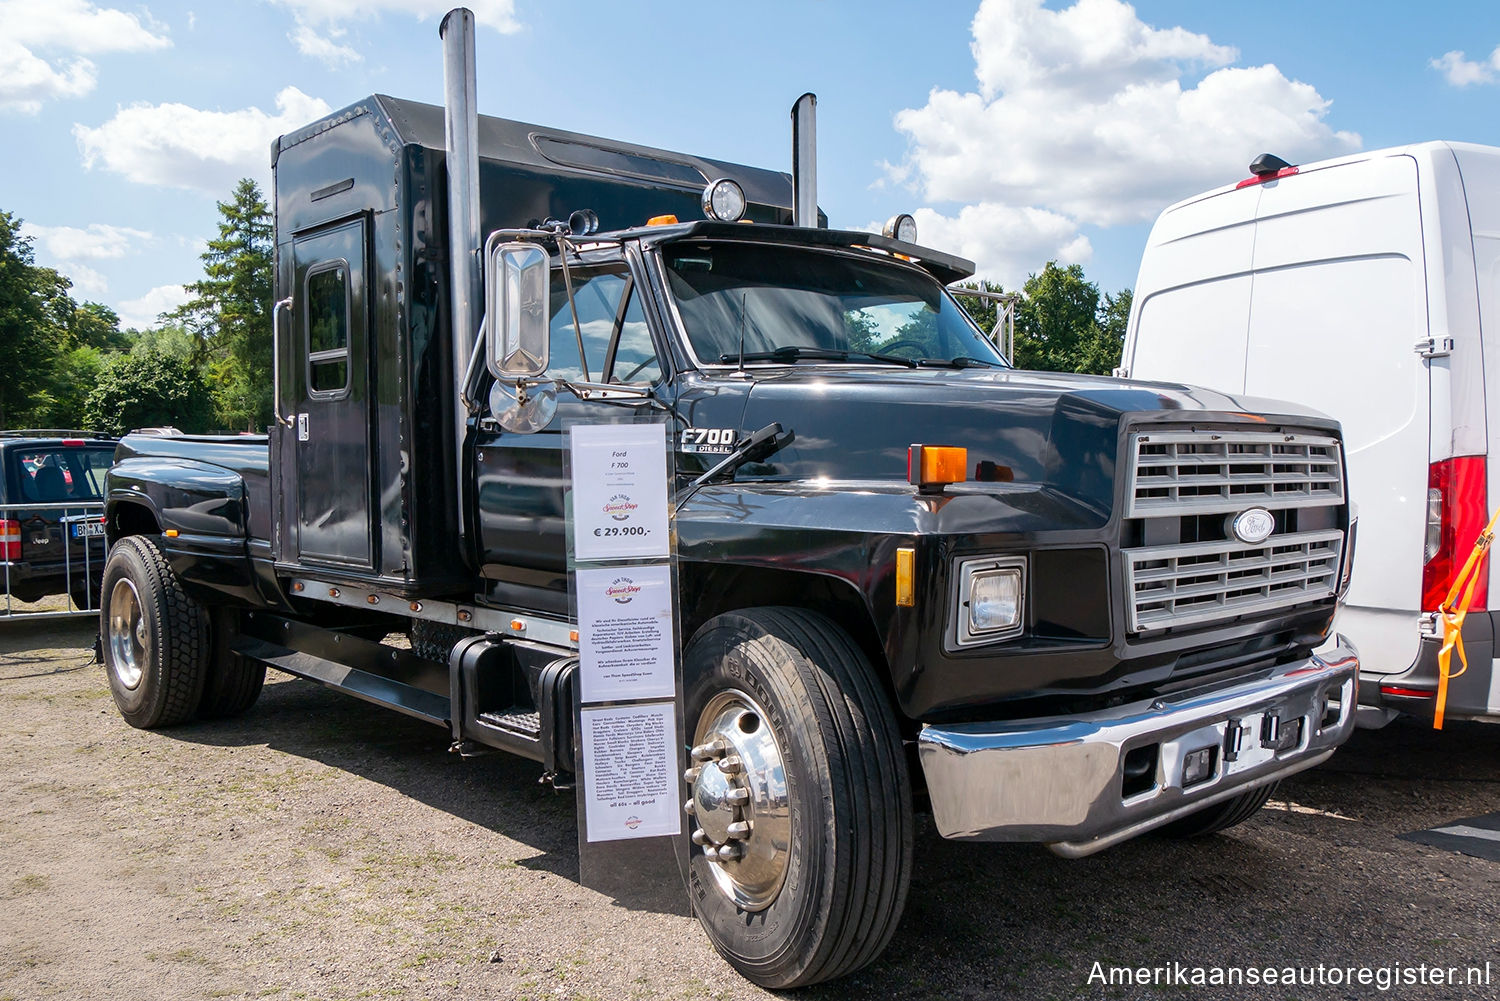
[(1254, 525)]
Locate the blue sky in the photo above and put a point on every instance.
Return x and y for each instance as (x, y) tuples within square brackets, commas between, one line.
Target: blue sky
[(1019, 131)]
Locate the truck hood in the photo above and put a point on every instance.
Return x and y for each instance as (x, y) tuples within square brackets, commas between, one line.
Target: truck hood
[(1038, 428)]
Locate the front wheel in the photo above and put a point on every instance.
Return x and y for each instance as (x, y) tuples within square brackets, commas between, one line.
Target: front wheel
[(155, 637), (1220, 816), (799, 803)]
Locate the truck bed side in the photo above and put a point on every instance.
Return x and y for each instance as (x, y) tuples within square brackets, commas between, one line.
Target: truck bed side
[(206, 496)]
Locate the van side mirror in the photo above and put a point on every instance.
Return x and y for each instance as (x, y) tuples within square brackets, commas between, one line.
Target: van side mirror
[(517, 283)]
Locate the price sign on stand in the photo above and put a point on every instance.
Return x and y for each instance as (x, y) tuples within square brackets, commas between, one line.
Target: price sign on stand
[(629, 724), (620, 492)]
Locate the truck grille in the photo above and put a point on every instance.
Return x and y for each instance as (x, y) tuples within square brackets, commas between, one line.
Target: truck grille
[(1198, 472), (1186, 488)]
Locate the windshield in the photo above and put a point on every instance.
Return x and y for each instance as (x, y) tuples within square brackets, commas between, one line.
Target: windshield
[(788, 304)]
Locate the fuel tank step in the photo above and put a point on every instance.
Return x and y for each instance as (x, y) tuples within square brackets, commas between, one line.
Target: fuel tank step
[(520, 721)]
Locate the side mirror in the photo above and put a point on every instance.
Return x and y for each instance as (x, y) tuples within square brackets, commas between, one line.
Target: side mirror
[(517, 284)]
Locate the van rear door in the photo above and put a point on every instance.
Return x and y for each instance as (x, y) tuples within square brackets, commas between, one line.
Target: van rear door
[(1193, 294), (1338, 302)]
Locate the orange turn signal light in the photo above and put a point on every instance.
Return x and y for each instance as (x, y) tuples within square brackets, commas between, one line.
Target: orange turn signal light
[(906, 572), (936, 465), (662, 220)]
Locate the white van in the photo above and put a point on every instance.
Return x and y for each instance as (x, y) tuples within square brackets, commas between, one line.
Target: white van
[(1367, 287)]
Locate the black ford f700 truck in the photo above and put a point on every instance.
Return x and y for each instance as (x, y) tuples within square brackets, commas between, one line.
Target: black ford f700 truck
[(1069, 609)]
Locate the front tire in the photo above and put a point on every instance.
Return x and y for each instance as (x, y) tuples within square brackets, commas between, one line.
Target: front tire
[(1220, 816), (799, 790), (155, 637)]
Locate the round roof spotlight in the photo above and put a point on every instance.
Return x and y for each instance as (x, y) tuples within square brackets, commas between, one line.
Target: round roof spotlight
[(724, 200), (901, 227), (583, 222)]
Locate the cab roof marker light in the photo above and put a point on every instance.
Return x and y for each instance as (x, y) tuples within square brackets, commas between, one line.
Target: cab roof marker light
[(662, 220), (931, 467)]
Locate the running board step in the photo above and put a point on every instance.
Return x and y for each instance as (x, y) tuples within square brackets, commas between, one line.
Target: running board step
[(524, 722)]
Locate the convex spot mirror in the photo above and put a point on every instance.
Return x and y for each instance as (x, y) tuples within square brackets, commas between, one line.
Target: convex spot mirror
[(517, 281)]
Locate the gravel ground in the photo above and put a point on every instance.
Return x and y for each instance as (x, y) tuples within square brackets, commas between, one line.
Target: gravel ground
[(323, 848)]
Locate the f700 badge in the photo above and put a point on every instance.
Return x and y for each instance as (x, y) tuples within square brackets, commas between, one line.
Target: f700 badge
[(707, 441)]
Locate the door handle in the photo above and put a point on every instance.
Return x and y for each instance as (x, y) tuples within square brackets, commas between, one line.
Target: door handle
[(285, 304)]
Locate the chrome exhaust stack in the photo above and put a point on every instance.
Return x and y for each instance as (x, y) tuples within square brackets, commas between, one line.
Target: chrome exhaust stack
[(461, 120), (805, 161)]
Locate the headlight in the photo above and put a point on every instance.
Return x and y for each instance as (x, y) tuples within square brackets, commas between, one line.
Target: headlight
[(991, 599)]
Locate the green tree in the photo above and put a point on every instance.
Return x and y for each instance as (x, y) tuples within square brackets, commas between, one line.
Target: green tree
[(95, 325), (230, 312), (34, 311), (149, 387), (1062, 325)]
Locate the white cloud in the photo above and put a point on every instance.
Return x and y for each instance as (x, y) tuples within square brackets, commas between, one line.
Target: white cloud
[(178, 146), (497, 14), (97, 242), (78, 26), (86, 280), (1086, 115), (321, 45), (27, 80), (1460, 71), (142, 313), (66, 30)]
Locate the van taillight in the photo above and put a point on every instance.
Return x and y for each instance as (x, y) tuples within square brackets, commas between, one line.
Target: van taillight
[(10, 540), (1457, 511)]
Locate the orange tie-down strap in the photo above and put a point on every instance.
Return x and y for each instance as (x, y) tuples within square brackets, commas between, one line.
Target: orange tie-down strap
[(1453, 610)]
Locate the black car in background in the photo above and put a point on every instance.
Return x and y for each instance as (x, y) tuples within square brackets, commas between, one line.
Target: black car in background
[(57, 548)]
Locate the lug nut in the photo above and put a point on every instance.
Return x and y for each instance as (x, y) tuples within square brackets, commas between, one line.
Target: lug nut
[(699, 838), (710, 750), (739, 830), (690, 776), (732, 765), (728, 853), (737, 797), (690, 808)]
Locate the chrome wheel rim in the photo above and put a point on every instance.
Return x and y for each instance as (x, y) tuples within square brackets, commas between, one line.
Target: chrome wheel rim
[(129, 641), (742, 815)]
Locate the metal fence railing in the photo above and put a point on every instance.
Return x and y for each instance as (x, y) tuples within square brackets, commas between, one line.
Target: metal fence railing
[(58, 577)]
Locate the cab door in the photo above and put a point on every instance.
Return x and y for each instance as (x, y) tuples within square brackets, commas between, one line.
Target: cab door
[(329, 405)]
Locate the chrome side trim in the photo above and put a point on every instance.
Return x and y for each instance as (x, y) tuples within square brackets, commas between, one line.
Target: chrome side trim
[(1061, 780), (553, 632)]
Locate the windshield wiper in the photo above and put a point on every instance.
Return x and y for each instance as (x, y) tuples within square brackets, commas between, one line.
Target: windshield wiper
[(798, 352), (962, 361)]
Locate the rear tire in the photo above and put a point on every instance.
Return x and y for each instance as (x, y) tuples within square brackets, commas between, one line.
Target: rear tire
[(232, 683), (155, 637), (822, 875), (1220, 816)]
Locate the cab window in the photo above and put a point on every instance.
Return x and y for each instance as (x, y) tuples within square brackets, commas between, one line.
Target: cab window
[(609, 317)]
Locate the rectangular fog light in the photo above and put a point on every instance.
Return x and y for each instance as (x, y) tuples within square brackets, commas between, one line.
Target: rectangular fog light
[(1197, 766)]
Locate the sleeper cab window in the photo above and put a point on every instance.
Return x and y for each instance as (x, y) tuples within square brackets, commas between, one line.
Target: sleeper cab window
[(327, 297)]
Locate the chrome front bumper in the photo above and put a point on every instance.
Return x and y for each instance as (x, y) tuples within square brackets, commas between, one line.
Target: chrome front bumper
[(1063, 780)]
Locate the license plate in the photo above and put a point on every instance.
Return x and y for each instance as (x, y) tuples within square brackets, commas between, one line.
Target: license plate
[(87, 529)]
